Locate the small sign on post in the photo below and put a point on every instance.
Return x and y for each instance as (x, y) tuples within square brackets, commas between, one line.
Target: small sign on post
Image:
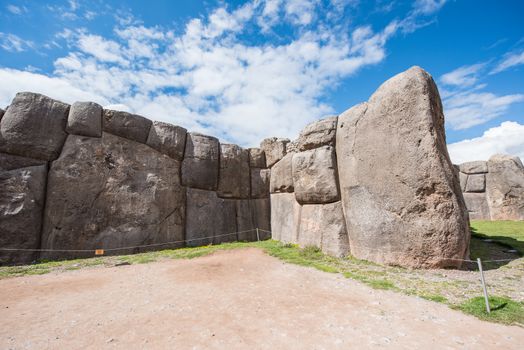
[(99, 252)]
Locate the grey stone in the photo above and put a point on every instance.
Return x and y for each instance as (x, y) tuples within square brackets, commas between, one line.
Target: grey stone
[(260, 179), (85, 118), (253, 214), (477, 206), (200, 164), (2, 112), (285, 217), (476, 183), (402, 202), (209, 219), (168, 139), (11, 162), (463, 180), (282, 175), (257, 158), (319, 133), (111, 192), (476, 167), (323, 226), (130, 126), (274, 149), (21, 204), (315, 176), (33, 126), (505, 188), (234, 175), (292, 147)]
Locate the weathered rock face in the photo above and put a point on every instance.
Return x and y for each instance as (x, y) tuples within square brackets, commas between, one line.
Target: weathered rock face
[(11, 162), (323, 225), (252, 214), (505, 188), (260, 179), (319, 133), (402, 203), (130, 126), (85, 118), (493, 190), (282, 175), (200, 164), (111, 192), (274, 149), (2, 112), (257, 158), (33, 126), (21, 204), (477, 205), (234, 176), (167, 139), (209, 219), (315, 176), (285, 217), (476, 167)]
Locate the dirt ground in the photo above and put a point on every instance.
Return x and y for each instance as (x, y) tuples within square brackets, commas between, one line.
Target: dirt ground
[(236, 299)]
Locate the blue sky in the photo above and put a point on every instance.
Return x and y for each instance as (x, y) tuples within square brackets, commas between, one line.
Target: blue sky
[(246, 70)]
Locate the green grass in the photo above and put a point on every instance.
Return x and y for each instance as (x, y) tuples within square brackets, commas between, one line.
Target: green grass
[(376, 276), (503, 310), (510, 233)]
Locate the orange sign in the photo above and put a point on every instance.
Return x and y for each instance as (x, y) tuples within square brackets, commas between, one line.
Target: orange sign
[(99, 252)]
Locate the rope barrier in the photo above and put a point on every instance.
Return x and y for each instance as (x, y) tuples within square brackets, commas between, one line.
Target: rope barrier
[(124, 248)]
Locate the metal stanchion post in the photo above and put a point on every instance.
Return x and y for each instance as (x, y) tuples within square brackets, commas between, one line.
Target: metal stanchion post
[(258, 235), (483, 285)]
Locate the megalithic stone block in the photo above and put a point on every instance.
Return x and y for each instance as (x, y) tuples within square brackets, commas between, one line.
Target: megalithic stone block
[(402, 202)]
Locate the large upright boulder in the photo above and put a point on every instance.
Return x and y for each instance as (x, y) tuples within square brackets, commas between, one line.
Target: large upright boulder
[(200, 164), (315, 176), (257, 158), (34, 126), (252, 214), (285, 217), (109, 193), (505, 187), (234, 175), (402, 202), (22, 197), (260, 179)]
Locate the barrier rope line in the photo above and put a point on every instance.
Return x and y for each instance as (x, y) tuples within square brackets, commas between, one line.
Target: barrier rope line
[(129, 247)]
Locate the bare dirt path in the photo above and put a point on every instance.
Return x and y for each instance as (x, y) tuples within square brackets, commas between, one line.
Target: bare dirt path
[(237, 299)]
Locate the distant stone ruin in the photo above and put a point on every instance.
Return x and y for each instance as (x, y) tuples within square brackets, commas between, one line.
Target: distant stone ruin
[(375, 182), (493, 190)]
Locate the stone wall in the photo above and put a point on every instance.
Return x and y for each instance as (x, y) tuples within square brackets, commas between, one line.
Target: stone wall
[(493, 190), (375, 182), (81, 177)]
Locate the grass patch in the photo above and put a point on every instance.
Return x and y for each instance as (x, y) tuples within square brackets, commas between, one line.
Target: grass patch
[(435, 297), (509, 233), (503, 310)]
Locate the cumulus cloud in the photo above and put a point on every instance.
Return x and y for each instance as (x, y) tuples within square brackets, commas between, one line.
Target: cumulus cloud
[(466, 103), (507, 138), (463, 76), (209, 77), (16, 10)]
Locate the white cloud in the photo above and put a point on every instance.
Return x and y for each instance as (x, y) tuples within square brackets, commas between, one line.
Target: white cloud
[(428, 7), (209, 78), (17, 10), (511, 60), (466, 109), (463, 76), (507, 138), (14, 43)]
